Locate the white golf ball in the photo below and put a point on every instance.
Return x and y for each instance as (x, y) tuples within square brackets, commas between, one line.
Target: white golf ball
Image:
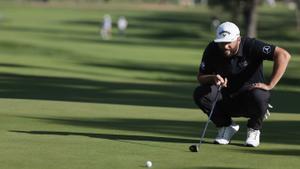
[(148, 164)]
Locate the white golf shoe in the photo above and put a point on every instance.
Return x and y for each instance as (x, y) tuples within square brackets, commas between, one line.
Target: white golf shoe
[(252, 137), (225, 134)]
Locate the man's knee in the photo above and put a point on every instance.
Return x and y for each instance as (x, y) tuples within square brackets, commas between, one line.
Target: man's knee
[(200, 92), (258, 102), (205, 95), (259, 96), (201, 97)]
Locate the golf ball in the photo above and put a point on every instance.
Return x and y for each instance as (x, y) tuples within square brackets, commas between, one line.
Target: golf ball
[(148, 164)]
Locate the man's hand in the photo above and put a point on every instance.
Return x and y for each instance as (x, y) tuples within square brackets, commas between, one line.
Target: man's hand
[(220, 81), (212, 79), (260, 86)]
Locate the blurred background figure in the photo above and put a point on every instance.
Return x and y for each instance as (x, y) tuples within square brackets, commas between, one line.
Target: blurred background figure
[(215, 22), (122, 25), (187, 2), (272, 3), (106, 28)]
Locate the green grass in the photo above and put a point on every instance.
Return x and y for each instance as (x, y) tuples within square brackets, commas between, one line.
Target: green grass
[(72, 100)]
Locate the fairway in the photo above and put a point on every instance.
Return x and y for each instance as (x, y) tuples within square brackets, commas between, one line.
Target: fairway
[(70, 100)]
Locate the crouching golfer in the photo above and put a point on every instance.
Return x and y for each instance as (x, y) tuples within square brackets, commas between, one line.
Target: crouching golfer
[(236, 64)]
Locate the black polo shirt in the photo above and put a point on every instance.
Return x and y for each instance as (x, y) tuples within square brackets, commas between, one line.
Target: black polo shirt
[(243, 69)]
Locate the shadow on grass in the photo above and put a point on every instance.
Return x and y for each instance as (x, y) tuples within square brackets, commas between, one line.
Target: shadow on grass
[(177, 43), (181, 70), (209, 167), (11, 65), (83, 90), (154, 126), (279, 132), (177, 94), (174, 18), (285, 101), (21, 48), (111, 136), (275, 152), (53, 31)]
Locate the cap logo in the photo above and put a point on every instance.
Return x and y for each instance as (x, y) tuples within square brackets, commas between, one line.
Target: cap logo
[(224, 33), (267, 49)]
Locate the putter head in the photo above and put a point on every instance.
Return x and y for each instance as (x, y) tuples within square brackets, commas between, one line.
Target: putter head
[(194, 148)]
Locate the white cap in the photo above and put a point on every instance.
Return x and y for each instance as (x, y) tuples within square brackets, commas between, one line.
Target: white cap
[(227, 32)]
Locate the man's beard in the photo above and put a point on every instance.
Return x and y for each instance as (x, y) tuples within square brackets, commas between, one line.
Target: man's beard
[(227, 53)]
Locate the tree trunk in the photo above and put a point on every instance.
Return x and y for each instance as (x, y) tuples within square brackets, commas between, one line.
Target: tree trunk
[(203, 2), (298, 14), (236, 11), (250, 17), (162, 1)]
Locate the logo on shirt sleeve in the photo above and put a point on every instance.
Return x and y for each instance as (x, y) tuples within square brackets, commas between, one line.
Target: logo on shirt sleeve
[(267, 49)]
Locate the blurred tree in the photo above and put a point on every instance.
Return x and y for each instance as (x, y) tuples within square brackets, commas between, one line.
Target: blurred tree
[(231, 6), (250, 17), (237, 8), (44, 1), (298, 14), (295, 6), (187, 2), (162, 1)]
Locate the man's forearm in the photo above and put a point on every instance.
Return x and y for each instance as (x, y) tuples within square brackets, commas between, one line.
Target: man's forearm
[(206, 79), (281, 60)]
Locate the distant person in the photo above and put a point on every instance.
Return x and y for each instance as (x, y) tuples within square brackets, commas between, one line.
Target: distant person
[(106, 28), (215, 22), (236, 64), (272, 3), (122, 25)]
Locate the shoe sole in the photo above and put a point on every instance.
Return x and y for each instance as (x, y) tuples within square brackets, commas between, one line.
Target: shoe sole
[(250, 145), (215, 142)]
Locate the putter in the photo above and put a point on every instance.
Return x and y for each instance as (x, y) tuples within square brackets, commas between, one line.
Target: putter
[(195, 147)]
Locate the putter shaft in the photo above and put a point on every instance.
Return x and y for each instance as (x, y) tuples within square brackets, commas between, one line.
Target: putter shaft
[(209, 117)]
